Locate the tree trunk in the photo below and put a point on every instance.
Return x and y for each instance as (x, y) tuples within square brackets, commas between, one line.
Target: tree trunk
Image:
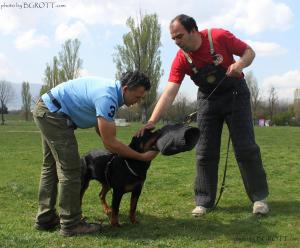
[(26, 115), (2, 117)]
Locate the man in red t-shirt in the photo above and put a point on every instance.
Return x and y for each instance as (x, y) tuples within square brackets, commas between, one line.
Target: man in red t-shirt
[(223, 96)]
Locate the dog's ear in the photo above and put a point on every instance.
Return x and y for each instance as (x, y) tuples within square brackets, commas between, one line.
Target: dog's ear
[(135, 142)]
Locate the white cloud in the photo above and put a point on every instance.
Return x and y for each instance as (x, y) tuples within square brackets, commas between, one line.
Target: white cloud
[(84, 73), (9, 22), (30, 39), (256, 17), (5, 68), (93, 18), (252, 16), (64, 32), (248, 16), (284, 84), (266, 48), (100, 12)]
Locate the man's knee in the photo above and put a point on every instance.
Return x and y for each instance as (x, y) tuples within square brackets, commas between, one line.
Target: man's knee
[(69, 175), (250, 152), (205, 157)]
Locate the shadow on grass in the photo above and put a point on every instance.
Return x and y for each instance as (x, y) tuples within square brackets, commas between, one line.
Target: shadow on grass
[(277, 208), (192, 229), (209, 227), (242, 228)]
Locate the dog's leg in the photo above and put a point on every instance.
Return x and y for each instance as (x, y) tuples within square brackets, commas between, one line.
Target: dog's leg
[(102, 197), (84, 186), (133, 203), (116, 200)]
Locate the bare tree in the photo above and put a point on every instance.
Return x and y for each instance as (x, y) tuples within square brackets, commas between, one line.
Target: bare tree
[(26, 99), (141, 52), (52, 76), (297, 103), (255, 96), (180, 109), (6, 94), (65, 68), (272, 100), (70, 60)]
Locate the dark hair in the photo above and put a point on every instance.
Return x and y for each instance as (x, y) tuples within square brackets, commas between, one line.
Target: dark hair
[(188, 22), (135, 79)]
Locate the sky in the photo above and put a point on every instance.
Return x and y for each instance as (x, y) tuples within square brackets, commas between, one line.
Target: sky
[(32, 32)]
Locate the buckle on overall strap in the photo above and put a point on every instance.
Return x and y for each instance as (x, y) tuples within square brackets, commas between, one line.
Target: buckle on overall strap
[(54, 101), (217, 58)]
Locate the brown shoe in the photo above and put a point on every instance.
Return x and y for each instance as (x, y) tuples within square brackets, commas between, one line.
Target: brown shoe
[(47, 226), (81, 228)]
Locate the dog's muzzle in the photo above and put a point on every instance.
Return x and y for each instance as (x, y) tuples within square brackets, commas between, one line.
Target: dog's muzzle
[(176, 138)]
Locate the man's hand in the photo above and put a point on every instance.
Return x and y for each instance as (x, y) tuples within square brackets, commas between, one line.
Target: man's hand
[(164, 102), (149, 125), (148, 156), (108, 133), (234, 70)]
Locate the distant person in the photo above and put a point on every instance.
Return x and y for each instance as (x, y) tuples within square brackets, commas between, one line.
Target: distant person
[(223, 96), (83, 103)]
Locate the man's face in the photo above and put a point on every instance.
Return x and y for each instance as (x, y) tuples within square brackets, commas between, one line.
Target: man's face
[(134, 95), (182, 37)]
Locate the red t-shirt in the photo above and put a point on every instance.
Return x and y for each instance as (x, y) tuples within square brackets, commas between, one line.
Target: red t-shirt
[(225, 43)]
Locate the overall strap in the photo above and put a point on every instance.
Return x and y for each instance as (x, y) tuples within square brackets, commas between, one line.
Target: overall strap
[(189, 60), (211, 44), (212, 50)]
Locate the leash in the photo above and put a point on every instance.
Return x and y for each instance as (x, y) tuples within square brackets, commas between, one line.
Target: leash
[(227, 154), (224, 175), (191, 117)]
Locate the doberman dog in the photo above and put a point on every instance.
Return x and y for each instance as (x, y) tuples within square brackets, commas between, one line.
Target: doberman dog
[(121, 174)]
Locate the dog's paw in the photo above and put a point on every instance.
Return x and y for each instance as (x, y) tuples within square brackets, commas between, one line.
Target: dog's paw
[(108, 211), (117, 224), (114, 221), (133, 220)]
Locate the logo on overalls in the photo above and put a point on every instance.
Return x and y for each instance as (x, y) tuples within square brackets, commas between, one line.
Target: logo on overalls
[(218, 59), (211, 78)]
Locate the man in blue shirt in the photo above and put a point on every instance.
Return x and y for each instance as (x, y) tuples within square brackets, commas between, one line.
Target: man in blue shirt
[(82, 103)]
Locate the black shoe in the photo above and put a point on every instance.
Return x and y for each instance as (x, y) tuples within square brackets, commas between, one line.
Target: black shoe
[(79, 229), (47, 226)]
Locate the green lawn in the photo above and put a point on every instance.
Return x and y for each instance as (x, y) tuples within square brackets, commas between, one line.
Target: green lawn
[(166, 201)]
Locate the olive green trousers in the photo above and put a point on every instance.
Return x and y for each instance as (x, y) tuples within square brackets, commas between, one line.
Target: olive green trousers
[(60, 175)]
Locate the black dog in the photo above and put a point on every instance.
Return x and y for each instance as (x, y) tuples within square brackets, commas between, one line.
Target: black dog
[(120, 174)]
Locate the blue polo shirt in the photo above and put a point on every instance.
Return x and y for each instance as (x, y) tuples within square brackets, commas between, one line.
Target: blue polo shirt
[(84, 99)]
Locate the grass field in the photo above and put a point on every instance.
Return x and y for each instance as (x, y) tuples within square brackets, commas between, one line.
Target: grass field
[(166, 201)]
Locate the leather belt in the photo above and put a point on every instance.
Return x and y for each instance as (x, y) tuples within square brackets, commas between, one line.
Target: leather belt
[(54, 100)]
